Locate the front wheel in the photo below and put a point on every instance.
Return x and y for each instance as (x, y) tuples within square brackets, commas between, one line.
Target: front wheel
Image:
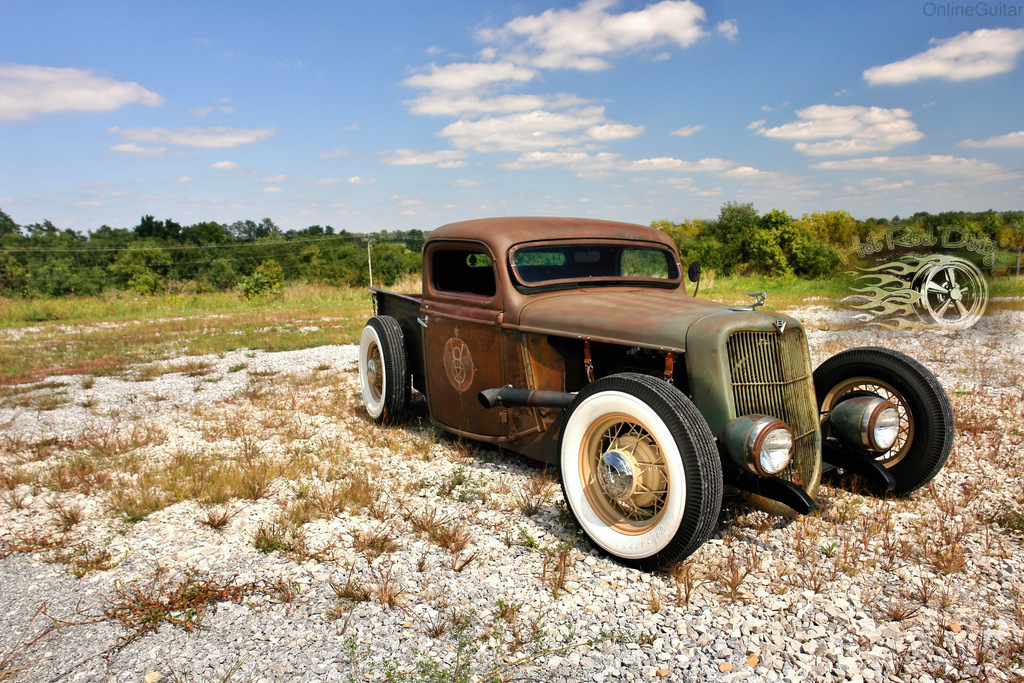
[(925, 435), (640, 470)]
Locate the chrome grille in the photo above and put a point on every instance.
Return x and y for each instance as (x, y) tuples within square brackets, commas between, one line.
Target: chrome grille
[(771, 375)]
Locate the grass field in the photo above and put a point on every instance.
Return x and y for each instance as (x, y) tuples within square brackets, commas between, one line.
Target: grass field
[(104, 335)]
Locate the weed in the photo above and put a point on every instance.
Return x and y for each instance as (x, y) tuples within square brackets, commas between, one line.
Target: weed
[(141, 606), (216, 516), (1012, 520), (376, 542), (686, 580), (351, 591), (10, 665), (557, 562), (269, 537), (136, 503), (85, 558), (67, 515), (527, 540), (384, 585), (899, 609)]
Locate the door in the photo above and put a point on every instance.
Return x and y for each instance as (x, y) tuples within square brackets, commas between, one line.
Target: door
[(463, 341)]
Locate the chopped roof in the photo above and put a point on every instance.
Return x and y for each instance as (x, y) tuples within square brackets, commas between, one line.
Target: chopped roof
[(502, 233)]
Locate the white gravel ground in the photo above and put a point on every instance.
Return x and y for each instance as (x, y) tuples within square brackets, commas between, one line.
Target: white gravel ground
[(919, 589)]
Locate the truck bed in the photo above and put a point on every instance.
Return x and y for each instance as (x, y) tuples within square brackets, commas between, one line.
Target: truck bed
[(405, 308)]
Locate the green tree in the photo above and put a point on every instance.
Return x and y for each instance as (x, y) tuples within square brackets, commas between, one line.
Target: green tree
[(12, 276), (221, 274), (266, 280), (141, 268)]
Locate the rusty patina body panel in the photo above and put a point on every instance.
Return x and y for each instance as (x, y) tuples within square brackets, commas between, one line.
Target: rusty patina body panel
[(485, 335)]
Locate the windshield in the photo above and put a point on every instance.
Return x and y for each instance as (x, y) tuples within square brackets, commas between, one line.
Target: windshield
[(593, 263)]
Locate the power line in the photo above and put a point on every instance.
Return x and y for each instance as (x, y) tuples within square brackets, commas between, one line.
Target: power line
[(192, 247)]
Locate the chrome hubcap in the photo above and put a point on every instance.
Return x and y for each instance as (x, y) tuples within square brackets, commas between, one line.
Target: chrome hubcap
[(615, 475)]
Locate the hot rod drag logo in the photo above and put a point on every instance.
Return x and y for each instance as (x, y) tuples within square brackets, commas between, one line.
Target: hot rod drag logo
[(936, 290)]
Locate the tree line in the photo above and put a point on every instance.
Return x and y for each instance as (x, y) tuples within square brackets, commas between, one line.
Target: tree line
[(258, 257), (42, 260), (823, 244)]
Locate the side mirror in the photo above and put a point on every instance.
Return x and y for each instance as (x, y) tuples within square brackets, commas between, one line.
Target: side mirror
[(693, 274)]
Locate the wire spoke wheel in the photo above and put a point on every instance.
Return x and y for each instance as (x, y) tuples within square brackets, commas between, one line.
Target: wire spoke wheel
[(926, 427), (867, 386), (384, 369), (625, 473), (640, 470)]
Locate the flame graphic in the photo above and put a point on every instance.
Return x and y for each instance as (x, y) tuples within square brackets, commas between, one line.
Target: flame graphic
[(893, 301)]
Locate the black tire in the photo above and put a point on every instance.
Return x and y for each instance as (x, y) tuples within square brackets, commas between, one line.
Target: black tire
[(673, 494), (384, 369), (926, 416)]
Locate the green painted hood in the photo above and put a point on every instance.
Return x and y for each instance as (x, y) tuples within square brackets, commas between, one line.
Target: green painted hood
[(634, 316)]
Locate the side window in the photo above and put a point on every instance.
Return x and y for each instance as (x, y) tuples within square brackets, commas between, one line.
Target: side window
[(463, 271)]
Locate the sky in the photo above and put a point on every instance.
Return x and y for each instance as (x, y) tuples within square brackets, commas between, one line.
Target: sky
[(397, 115)]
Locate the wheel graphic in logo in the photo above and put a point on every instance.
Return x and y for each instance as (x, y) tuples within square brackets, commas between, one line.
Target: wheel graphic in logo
[(937, 291), (458, 364), (953, 293)]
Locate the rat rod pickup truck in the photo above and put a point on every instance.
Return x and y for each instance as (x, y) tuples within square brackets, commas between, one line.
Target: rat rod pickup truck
[(573, 341)]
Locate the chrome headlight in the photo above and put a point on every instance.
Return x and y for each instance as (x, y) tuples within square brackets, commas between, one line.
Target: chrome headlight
[(867, 422), (774, 450), (884, 427), (760, 444)]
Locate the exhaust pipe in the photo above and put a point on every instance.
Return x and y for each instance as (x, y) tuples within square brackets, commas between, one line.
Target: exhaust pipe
[(524, 398)]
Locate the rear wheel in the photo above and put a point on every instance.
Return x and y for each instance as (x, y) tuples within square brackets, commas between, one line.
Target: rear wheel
[(384, 369), (640, 470), (925, 435)]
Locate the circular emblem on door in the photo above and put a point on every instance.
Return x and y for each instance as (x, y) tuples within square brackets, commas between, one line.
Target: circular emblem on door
[(458, 364)]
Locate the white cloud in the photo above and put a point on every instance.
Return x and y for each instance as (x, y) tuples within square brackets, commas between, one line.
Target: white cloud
[(455, 104), (225, 166), (215, 137), (275, 179), (448, 158), (184, 180), (468, 76), (271, 190), (465, 182), (931, 164), (613, 131), (358, 180), (969, 55), (28, 91), (201, 111), (581, 38), (138, 150), (609, 161), (686, 131), (523, 132), (851, 129), (728, 29), (335, 153), (1013, 140)]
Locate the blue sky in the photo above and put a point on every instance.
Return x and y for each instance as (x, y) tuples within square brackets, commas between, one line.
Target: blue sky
[(397, 115)]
